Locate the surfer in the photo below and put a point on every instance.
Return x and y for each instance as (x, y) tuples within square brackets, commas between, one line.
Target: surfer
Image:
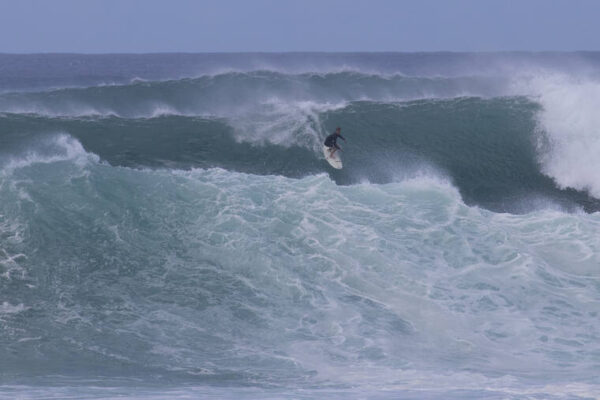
[(331, 141)]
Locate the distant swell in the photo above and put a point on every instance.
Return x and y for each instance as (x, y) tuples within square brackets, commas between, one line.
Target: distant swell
[(237, 93)]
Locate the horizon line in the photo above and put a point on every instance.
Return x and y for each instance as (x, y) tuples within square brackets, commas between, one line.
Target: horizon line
[(308, 52)]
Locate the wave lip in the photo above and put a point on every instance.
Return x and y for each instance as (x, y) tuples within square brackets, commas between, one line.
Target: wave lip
[(56, 148), (568, 129)]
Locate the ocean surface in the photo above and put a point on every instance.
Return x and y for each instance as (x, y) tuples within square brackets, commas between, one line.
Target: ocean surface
[(169, 227)]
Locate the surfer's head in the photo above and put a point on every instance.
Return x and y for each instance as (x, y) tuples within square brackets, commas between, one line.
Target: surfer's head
[(338, 130)]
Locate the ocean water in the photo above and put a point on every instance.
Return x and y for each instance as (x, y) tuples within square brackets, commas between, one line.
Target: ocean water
[(170, 229)]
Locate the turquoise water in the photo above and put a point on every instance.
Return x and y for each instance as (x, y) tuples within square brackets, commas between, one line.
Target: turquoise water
[(205, 251)]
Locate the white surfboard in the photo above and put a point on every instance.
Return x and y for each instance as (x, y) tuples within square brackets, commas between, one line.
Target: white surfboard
[(335, 161)]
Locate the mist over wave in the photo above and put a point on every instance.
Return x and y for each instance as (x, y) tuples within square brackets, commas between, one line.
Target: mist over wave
[(169, 227)]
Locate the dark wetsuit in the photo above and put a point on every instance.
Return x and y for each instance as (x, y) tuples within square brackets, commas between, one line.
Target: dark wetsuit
[(331, 140)]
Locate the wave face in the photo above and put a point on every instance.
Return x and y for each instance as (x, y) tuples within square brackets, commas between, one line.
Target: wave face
[(182, 236), (495, 148)]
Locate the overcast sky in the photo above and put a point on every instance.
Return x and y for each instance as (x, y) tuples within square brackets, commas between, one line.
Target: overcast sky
[(117, 26)]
